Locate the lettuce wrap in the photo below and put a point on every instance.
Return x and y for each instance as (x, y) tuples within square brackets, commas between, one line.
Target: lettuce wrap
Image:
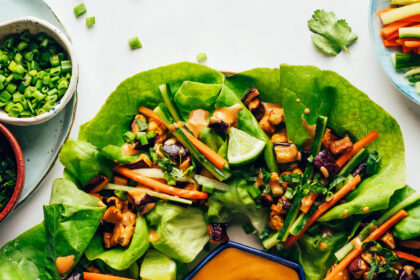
[(182, 230)]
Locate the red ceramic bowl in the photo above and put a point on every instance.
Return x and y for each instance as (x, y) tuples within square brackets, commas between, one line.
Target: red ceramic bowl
[(20, 171)]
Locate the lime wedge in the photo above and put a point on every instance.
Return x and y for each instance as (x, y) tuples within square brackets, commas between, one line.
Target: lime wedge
[(242, 147), (157, 266)]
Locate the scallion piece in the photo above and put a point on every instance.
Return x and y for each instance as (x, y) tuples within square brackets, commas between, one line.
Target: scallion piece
[(143, 140), (208, 188), (65, 66), (90, 21), (134, 43), (79, 10), (129, 137), (201, 57)]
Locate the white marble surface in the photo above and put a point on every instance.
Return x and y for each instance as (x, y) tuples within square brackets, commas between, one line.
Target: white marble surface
[(236, 35)]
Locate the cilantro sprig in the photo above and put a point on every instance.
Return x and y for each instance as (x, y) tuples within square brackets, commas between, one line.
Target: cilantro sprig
[(331, 35)]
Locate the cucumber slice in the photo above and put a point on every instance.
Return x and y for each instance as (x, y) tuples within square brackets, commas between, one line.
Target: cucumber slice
[(165, 91), (354, 162), (409, 32), (400, 13), (302, 220), (412, 72)]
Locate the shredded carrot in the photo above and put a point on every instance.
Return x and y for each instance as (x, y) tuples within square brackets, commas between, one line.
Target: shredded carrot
[(390, 43), (393, 27), (357, 147), (409, 50), (98, 276), (307, 202), (324, 207), (211, 155), (412, 244), (149, 113), (374, 235), (406, 256), (158, 186), (412, 44), (380, 12)]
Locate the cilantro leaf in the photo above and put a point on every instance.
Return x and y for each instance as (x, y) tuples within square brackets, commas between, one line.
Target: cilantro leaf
[(331, 35)]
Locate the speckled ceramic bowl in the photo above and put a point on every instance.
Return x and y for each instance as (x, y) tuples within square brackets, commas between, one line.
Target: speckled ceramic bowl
[(36, 25), (20, 164)]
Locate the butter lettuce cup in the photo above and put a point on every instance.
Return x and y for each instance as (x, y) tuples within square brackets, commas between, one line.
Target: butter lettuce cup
[(233, 260), (39, 72)]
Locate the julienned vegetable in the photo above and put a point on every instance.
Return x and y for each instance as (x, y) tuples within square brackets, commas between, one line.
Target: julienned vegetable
[(158, 186), (400, 13), (35, 73), (98, 276), (374, 235), (325, 207)]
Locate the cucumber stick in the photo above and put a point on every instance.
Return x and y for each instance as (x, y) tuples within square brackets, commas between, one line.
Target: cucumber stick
[(164, 116), (409, 32), (293, 213), (165, 91), (354, 162), (400, 13), (403, 2), (405, 60), (302, 220)]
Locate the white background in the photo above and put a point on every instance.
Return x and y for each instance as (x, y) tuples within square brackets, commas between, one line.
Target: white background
[(236, 35)]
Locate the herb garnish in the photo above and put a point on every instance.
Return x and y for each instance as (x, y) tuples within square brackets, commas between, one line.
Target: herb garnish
[(384, 268), (7, 173), (331, 35)]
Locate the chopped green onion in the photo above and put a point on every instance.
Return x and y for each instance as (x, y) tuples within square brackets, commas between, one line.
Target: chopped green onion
[(129, 137), (66, 66), (79, 10), (143, 140), (90, 21), (201, 57), (254, 192), (208, 188), (134, 43), (150, 134), (54, 60)]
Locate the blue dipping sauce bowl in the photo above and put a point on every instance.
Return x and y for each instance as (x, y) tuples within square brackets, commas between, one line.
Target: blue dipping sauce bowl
[(256, 252)]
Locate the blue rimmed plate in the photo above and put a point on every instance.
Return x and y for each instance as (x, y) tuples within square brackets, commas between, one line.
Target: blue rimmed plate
[(231, 244), (40, 143), (384, 54)]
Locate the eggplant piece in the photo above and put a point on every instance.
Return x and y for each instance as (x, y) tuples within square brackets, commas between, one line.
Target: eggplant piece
[(408, 273), (285, 152), (286, 203), (276, 116), (266, 199), (358, 267), (75, 275), (112, 215), (175, 150), (113, 201), (107, 227), (96, 184), (325, 160), (360, 169), (341, 146), (143, 202), (218, 125), (257, 108), (124, 230), (250, 96), (218, 232), (143, 161)]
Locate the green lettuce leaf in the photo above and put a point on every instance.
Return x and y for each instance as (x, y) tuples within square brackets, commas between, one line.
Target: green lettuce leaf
[(83, 161), (121, 258), (182, 231), (184, 98), (315, 259), (24, 257), (142, 89), (237, 200), (193, 95), (408, 227), (352, 113), (70, 220), (115, 154)]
